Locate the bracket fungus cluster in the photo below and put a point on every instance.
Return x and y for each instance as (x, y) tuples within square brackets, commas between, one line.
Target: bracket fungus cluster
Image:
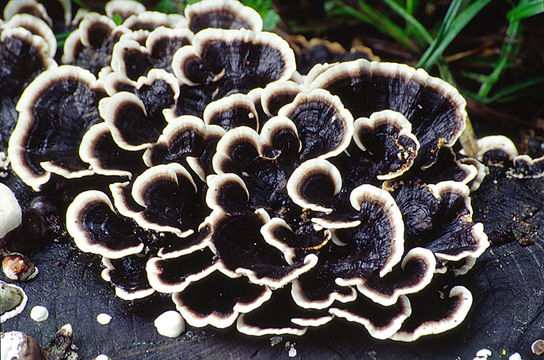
[(252, 194)]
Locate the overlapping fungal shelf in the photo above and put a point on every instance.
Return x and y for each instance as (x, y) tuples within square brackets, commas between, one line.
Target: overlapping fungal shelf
[(254, 196)]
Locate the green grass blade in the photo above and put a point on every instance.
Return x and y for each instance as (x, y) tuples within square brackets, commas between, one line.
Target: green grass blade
[(524, 11), (386, 25), (448, 18), (415, 25), (453, 30), (375, 18), (509, 50)]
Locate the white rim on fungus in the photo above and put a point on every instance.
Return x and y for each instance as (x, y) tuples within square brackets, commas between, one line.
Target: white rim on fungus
[(16, 148), (217, 319), (368, 192), (307, 168), (297, 293), (168, 172), (236, 8), (435, 327), (390, 299), (384, 332), (80, 235), (332, 101), (119, 292)]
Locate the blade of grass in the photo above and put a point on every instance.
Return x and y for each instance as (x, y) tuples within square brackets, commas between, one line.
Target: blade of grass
[(509, 93), (457, 24), (414, 25), (474, 76), (524, 11), (386, 25), (509, 51), (453, 9), (380, 21)]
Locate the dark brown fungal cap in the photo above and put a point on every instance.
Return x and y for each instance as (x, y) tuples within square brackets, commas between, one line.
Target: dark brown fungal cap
[(123, 8), (320, 51), (243, 250), (37, 27), (167, 195), (106, 158), (313, 185), (231, 112), (373, 239), (164, 42), (87, 219), (447, 167), (131, 59), (435, 108), (31, 7), (60, 12), (217, 300), (415, 272), (222, 14), (227, 193), (280, 316), (174, 274), (496, 150), (316, 290), (237, 151), (387, 139), (115, 82), (137, 120), (23, 56), (49, 131), (297, 241), (459, 236), (279, 140), (150, 20), (264, 171), (188, 141), (434, 313), (183, 137), (91, 45), (277, 94), (172, 246), (481, 172), (324, 126), (380, 321), (233, 61), (525, 167), (128, 276), (439, 218)]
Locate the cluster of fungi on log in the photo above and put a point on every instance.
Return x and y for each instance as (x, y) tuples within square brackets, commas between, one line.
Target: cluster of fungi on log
[(251, 193)]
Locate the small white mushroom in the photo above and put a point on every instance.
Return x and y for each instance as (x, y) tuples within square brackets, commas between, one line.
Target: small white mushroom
[(10, 211), (39, 313), (170, 324), (103, 319)]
